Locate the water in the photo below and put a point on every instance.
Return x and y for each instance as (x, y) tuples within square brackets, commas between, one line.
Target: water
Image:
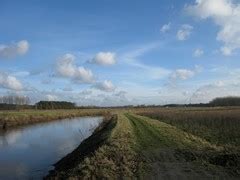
[(29, 152)]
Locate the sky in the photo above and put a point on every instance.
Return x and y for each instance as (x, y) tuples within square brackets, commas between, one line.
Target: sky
[(114, 53)]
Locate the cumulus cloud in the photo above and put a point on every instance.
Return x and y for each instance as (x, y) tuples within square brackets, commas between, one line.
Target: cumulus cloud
[(210, 91), (66, 67), (104, 58), (184, 32), (14, 49), (50, 97), (198, 53), (10, 82), (184, 74), (84, 75), (165, 28), (225, 14), (121, 93), (106, 86)]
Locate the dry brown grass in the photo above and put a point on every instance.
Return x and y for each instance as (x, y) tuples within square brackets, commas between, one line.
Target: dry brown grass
[(24, 117), (114, 158), (141, 147), (220, 126)]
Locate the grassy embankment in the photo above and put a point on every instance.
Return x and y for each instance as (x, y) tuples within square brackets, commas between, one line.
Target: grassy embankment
[(141, 147), (24, 117), (108, 153)]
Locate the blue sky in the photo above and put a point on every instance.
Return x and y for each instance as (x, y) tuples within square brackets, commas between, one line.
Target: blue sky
[(120, 52)]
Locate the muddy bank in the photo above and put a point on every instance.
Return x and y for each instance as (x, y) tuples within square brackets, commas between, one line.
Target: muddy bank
[(85, 149), (9, 119)]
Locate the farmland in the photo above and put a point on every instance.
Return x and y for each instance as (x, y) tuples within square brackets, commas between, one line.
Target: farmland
[(220, 126), (159, 143)]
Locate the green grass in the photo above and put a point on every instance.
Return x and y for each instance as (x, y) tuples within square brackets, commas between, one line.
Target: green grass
[(163, 146), (141, 147), (151, 133)]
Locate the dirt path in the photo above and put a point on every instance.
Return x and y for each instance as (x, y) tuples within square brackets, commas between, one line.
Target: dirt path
[(160, 145)]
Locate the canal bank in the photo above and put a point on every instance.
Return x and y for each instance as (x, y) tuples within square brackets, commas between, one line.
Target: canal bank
[(130, 146), (9, 119)]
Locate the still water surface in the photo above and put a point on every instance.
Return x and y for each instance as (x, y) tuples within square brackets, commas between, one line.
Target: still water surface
[(29, 152)]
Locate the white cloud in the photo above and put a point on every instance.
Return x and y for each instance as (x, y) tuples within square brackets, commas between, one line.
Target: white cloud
[(219, 83), (226, 15), (66, 67), (50, 97), (184, 74), (165, 28), (210, 8), (184, 32), (14, 49), (105, 86), (121, 93), (198, 53), (104, 58), (210, 91), (10, 82), (83, 75), (226, 51)]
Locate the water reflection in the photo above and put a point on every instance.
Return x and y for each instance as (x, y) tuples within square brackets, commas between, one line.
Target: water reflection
[(28, 152)]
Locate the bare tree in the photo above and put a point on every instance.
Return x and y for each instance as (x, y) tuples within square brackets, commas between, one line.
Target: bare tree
[(18, 100)]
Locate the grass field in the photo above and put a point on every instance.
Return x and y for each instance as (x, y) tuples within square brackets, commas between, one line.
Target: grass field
[(24, 117), (220, 126), (141, 147)]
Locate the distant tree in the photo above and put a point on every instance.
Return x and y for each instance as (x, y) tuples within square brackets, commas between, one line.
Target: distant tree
[(55, 105), (225, 101), (12, 102), (19, 100)]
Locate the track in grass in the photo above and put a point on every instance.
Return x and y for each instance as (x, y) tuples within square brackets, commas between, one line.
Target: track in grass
[(146, 136), (159, 145)]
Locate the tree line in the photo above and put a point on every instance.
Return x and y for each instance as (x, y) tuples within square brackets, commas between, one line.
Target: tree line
[(55, 105), (18, 100), (14, 102), (225, 101), (23, 102)]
